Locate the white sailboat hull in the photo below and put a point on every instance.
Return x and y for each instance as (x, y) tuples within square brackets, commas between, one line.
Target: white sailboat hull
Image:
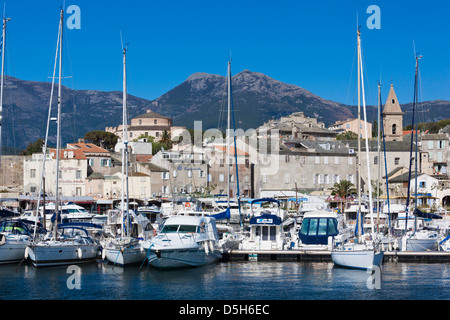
[(124, 256), (57, 253), (357, 259)]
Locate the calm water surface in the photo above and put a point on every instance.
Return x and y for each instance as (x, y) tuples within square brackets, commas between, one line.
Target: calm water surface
[(227, 281)]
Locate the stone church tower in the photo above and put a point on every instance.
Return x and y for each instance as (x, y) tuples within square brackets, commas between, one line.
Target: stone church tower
[(393, 118)]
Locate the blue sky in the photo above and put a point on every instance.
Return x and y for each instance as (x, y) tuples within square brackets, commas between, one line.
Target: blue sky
[(311, 44)]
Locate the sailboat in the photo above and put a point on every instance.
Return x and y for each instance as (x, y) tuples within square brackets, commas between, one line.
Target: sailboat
[(362, 254), (66, 244), (124, 249), (14, 234), (424, 239), (229, 238)]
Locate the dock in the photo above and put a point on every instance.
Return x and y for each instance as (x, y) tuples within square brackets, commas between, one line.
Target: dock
[(325, 256)]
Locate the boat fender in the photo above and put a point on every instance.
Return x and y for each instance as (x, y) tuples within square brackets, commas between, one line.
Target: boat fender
[(80, 253), (330, 243), (103, 254), (26, 252), (2, 239), (211, 246), (403, 244), (206, 247)]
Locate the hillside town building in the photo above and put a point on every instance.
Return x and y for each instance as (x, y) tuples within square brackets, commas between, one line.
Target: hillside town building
[(293, 153), (149, 124), (392, 117)]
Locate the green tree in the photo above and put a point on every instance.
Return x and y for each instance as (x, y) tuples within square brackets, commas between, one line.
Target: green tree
[(375, 129), (343, 189), (348, 135), (102, 139), (376, 190), (34, 147), (164, 143), (433, 127), (166, 139)]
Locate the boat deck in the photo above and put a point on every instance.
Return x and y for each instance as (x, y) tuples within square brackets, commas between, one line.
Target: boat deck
[(325, 256)]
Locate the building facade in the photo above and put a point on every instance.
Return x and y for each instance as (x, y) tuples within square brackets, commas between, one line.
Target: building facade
[(392, 118), (149, 124)]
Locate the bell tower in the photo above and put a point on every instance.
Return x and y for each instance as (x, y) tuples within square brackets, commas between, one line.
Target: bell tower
[(392, 118)]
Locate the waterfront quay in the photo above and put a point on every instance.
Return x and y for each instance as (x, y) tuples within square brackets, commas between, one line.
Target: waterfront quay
[(325, 256)]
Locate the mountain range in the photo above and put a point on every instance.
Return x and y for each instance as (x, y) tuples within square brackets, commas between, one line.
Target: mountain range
[(257, 98)]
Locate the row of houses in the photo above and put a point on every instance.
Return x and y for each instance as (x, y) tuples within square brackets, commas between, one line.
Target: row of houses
[(294, 153), (294, 164)]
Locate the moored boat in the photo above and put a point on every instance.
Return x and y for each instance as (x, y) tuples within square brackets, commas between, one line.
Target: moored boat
[(362, 253), (184, 241), (14, 238), (357, 256), (72, 245), (320, 229)]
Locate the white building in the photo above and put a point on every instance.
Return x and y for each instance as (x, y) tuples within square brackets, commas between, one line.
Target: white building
[(72, 172)]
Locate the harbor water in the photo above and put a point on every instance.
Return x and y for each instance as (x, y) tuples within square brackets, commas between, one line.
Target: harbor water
[(226, 281)]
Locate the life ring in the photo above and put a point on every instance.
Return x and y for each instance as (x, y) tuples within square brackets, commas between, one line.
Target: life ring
[(187, 205)]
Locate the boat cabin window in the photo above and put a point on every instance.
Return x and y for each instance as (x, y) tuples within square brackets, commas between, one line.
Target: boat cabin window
[(181, 228), (332, 226), (13, 227), (72, 232), (187, 228), (76, 210), (322, 227), (319, 226), (267, 233)]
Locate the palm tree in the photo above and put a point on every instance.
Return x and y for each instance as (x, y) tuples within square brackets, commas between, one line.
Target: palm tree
[(343, 189), (166, 139)]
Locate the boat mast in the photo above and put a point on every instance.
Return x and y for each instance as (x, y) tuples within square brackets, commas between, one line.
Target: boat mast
[(367, 146), (358, 162), (379, 157), (125, 145), (386, 172), (411, 149), (416, 135), (44, 148), (228, 132), (2, 78), (58, 135), (238, 194)]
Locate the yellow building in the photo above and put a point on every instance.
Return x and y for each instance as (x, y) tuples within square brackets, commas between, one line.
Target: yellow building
[(352, 126)]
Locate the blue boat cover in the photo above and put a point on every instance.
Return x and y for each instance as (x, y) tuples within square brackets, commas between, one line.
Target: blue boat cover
[(265, 200), (315, 231), (421, 214), (5, 213), (79, 224), (266, 219), (224, 215)]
